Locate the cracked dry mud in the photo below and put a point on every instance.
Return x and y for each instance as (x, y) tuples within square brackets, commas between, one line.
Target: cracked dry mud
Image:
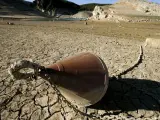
[(135, 96)]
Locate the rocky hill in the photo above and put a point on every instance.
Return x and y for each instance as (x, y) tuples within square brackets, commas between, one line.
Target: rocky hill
[(143, 6), (123, 10)]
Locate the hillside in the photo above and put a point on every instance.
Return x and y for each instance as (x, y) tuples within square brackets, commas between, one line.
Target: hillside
[(128, 10), (142, 6), (50, 6), (91, 6), (18, 8), (22, 9)]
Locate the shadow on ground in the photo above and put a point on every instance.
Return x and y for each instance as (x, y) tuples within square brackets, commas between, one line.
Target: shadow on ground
[(130, 95), (123, 94)]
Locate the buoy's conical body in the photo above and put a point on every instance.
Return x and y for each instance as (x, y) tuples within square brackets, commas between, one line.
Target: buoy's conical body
[(85, 79)]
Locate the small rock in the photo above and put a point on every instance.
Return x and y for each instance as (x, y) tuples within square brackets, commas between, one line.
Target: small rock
[(86, 23), (153, 42), (101, 112), (10, 23)]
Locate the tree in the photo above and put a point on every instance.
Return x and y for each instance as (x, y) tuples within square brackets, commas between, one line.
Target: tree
[(50, 4)]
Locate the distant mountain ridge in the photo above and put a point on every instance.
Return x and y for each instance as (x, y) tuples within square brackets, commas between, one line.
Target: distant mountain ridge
[(91, 6)]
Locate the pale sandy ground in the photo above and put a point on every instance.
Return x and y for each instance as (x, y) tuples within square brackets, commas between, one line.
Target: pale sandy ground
[(135, 96)]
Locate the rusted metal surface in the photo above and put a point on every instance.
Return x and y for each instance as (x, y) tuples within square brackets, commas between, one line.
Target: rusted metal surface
[(83, 79)]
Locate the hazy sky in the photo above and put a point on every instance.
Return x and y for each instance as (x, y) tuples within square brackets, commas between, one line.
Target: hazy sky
[(99, 1)]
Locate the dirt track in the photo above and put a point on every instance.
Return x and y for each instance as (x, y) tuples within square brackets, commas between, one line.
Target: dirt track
[(135, 96)]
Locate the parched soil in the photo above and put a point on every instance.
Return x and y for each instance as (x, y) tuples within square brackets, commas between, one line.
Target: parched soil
[(136, 95), (124, 30)]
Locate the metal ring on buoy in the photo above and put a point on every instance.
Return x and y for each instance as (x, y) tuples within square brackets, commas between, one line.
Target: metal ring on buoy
[(15, 68)]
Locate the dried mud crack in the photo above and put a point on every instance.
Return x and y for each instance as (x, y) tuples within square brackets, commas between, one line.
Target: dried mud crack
[(135, 95)]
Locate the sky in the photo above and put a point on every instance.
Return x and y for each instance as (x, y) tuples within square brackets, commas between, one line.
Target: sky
[(99, 1)]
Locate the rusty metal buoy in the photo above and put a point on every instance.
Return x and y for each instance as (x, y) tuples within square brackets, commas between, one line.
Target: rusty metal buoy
[(82, 79), (85, 79)]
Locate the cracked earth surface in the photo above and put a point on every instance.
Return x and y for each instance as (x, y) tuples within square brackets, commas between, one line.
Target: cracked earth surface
[(135, 96)]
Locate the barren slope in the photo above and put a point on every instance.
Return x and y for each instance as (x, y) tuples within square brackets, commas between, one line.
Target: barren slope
[(126, 10), (17, 9)]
